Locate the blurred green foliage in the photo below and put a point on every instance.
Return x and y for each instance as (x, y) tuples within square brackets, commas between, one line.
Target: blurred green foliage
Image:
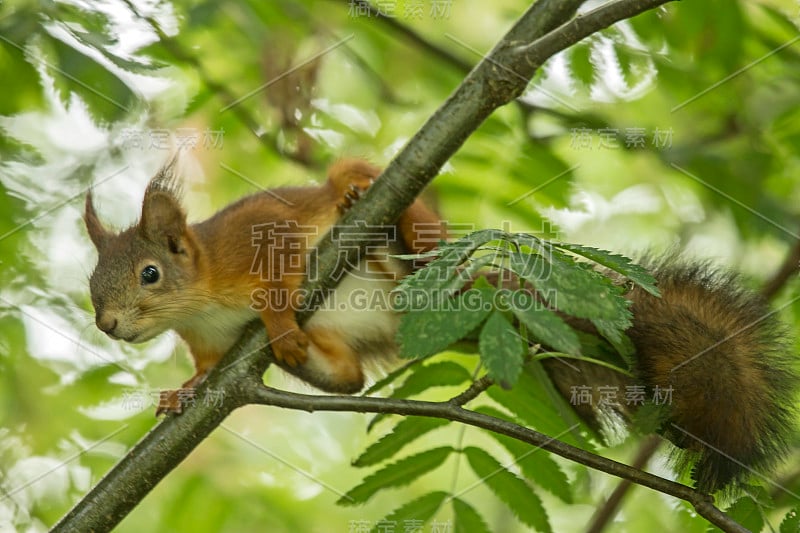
[(678, 129)]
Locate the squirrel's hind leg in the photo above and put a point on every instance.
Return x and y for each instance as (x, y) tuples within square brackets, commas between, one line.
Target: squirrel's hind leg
[(331, 364)]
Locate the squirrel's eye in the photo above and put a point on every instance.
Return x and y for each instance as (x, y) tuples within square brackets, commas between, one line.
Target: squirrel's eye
[(149, 274)]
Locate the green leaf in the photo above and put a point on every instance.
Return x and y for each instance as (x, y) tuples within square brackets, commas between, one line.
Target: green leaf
[(614, 332), (617, 263), (390, 377), (421, 509), (501, 349), (467, 519), (396, 474), (408, 430), (544, 325), (535, 463), (648, 417), (530, 404), (571, 287), (107, 97), (439, 273), (427, 332), (581, 64), (791, 522), (514, 492), (746, 512), (438, 374)]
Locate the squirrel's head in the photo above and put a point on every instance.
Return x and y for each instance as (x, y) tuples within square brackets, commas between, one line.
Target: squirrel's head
[(143, 273)]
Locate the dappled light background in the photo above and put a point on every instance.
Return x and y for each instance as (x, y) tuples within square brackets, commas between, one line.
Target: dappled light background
[(679, 130)]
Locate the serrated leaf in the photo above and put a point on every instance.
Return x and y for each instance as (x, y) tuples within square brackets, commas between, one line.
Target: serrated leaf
[(476, 264), (107, 97), (514, 492), (569, 286), (534, 463), (544, 325), (423, 508), (406, 431), (390, 377), (396, 474), (438, 374), (530, 266), (467, 519), (632, 65), (648, 417), (438, 274), (617, 263), (424, 333), (614, 332), (791, 522), (581, 63), (501, 349)]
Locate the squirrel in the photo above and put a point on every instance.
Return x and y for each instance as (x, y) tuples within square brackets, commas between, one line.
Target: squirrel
[(713, 344), (208, 280)]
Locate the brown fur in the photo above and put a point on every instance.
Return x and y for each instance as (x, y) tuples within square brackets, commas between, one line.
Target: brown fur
[(724, 355), (210, 271)]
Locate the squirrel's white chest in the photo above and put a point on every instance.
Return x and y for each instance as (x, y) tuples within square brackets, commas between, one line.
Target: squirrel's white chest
[(215, 328)]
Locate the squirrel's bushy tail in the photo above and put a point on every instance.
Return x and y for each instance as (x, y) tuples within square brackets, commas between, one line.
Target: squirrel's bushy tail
[(726, 359)]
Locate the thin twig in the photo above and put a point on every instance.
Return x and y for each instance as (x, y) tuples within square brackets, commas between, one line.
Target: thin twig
[(790, 266), (473, 391), (606, 513), (413, 36)]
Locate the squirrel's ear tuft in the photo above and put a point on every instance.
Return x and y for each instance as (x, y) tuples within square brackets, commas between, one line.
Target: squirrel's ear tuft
[(163, 218), (167, 179), (97, 232)]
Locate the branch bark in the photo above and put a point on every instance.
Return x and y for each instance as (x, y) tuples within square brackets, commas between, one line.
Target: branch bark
[(497, 80)]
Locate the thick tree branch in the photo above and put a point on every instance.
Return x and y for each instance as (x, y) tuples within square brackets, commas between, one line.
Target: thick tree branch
[(166, 445), (495, 81)]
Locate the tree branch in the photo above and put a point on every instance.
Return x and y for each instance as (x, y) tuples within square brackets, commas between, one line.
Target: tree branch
[(496, 80), (790, 266), (256, 392), (605, 514), (414, 37), (166, 445)]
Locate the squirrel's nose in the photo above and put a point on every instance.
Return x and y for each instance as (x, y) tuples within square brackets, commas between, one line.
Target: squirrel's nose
[(106, 323)]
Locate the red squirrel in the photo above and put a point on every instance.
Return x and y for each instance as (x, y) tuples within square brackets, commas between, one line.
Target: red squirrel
[(207, 280), (715, 346)]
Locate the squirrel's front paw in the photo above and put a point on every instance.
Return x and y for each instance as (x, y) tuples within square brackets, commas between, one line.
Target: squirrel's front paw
[(353, 194), (169, 401), (291, 348)]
